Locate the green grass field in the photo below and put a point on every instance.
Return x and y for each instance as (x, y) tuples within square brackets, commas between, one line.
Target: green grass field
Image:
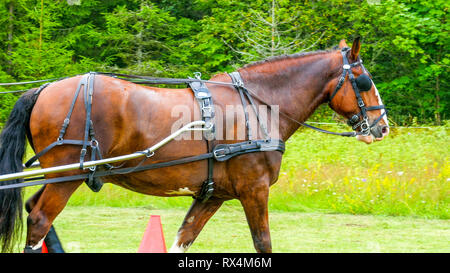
[(107, 229), (333, 195)]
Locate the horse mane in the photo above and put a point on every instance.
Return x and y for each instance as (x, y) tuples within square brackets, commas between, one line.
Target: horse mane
[(289, 56)]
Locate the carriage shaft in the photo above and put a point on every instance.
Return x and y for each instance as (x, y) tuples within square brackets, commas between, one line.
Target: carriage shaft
[(188, 127)]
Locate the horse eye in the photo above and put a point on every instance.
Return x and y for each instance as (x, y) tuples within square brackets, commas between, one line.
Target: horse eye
[(364, 82)]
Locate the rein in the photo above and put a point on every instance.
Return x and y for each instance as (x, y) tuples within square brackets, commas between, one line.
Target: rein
[(240, 85), (137, 79), (237, 84)]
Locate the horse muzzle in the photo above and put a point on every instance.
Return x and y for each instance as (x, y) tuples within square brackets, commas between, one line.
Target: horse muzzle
[(377, 133)]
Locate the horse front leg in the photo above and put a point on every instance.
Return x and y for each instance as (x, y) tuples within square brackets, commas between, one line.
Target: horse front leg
[(45, 206), (254, 199), (194, 221)]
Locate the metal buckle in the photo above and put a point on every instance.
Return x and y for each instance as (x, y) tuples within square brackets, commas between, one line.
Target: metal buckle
[(66, 122), (149, 153), (217, 155), (207, 111), (361, 103), (198, 75), (353, 120), (94, 143), (365, 127), (202, 94)]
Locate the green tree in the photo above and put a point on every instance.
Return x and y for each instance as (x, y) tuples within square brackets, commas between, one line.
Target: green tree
[(408, 49), (405, 42)]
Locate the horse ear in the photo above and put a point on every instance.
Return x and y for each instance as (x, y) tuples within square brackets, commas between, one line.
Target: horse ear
[(356, 46), (342, 44)]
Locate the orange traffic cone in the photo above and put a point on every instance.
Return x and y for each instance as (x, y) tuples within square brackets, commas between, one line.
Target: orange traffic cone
[(153, 240), (44, 248)]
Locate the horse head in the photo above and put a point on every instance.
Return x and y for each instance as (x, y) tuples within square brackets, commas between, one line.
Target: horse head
[(354, 95)]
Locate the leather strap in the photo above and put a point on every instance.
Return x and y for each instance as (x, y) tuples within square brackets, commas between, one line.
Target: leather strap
[(238, 83), (204, 99), (205, 102), (220, 152), (51, 146), (223, 152), (87, 81)]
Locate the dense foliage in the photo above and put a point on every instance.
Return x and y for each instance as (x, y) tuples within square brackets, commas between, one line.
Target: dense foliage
[(405, 43)]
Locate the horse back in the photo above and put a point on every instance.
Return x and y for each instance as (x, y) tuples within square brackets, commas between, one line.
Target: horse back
[(127, 117)]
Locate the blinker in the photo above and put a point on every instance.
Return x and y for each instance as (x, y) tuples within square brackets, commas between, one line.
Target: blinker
[(364, 82), (353, 120)]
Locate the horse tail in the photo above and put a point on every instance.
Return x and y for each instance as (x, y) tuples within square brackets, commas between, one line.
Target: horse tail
[(12, 150)]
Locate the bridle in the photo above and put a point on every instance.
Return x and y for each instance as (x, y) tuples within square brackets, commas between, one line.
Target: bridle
[(360, 84)]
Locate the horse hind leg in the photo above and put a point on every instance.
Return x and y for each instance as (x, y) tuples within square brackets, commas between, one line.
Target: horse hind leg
[(45, 205), (194, 221), (51, 240)]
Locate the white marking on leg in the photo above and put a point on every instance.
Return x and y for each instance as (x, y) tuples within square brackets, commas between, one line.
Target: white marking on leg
[(190, 219), (181, 248), (38, 245)]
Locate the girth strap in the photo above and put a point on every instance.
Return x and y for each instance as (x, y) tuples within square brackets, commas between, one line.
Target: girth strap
[(223, 152), (205, 102)]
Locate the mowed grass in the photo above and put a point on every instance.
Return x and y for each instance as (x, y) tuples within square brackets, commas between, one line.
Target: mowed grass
[(110, 229)]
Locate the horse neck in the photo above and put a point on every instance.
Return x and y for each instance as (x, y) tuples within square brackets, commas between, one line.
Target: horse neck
[(298, 85)]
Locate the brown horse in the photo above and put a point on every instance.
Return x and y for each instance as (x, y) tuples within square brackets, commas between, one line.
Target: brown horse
[(129, 117)]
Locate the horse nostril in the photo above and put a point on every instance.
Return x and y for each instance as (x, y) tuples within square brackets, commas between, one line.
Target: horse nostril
[(379, 131)]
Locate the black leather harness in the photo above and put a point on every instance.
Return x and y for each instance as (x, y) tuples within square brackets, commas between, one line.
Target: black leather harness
[(219, 152), (205, 102), (223, 152), (87, 82)]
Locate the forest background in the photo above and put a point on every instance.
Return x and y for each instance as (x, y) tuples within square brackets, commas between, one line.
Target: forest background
[(405, 44)]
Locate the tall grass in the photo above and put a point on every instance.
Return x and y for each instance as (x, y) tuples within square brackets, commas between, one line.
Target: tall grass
[(408, 173)]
